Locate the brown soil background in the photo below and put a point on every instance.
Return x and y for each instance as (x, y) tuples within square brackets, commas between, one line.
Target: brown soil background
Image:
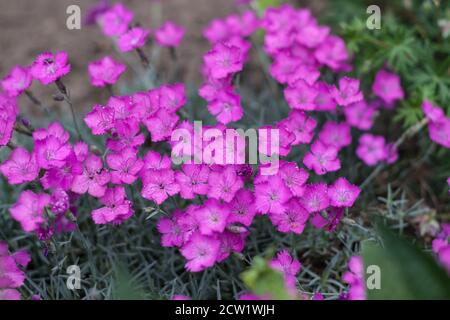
[(29, 27)]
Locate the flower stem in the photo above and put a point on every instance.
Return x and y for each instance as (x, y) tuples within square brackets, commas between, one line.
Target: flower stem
[(63, 89), (36, 101)]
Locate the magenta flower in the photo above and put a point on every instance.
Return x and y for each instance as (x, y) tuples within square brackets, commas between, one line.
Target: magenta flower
[(93, 179), (342, 193), (331, 221), (125, 166), (229, 242), (292, 219), (322, 158), (193, 180), (49, 67), (332, 53), (201, 252), (105, 71), (154, 161), (122, 107), (52, 152), (60, 201), (387, 86), (161, 125), (17, 81), (324, 100), (440, 132), (223, 60), (20, 167), (371, 149), (11, 275), (146, 104), (127, 135), (293, 177), (432, 112), (224, 184), (169, 35), (133, 39), (29, 210), (287, 265), (170, 229), (301, 96), (312, 35), (226, 107), (271, 196), (158, 185), (335, 134), (116, 208), (212, 216), (360, 115), (284, 67), (355, 278), (216, 31), (242, 209), (172, 97), (100, 120), (315, 198), (116, 20), (301, 125), (63, 177), (348, 92), (8, 114)]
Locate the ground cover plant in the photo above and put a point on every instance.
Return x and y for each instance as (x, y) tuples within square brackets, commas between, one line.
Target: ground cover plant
[(338, 189)]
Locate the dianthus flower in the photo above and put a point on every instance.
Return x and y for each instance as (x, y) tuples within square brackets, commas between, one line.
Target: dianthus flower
[(292, 219), (230, 242), (8, 114), (100, 120), (223, 60), (348, 92), (293, 177), (288, 266), (93, 179), (322, 158), (20, 167), (371, 149), (331, 221), (11, 274), (242, 208), (17, 81), (161, 125), (127, 135), (315, 198), (115, 21), (335, 134), (49, 67), (201, 252), (301, 125), (342, 193), (29, 210), (105, 71), (387, 86), (169, 35), (116, 207), (158, 185), (360, 115), (193, 180), (271, 196), (355, 278), (212, 216), (171, 231), (332, 53), (301, 96), (133, 39), (125, 166)]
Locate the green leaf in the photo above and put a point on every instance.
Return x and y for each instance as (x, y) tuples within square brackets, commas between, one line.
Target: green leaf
[(125, 288), (262, 280), (260, 6), (407, 272)]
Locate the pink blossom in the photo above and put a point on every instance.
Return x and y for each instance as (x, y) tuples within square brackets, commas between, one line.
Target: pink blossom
[(387, 86), (293, 177), (211, 89), (304, 72), (116, 208), (301, 125), (312, 35), (355, 278), (193, 180), (342, 193), (100, 120), (432, 112), (146, 104), (201, 252), (216, 31), (271, 196), (440, 132), (371, 149), (158, 185), (127, 135), (133, 39), (63, 177), (8, 114), (322, 158), (226, 107), (230, 242), (223, 60), (20, 167), (125, 166), (360, 115), (172, 233), (17, 81), (122, 107), (242, 209), (335, 134), (224, 184), (348, 92), (49, 67), (116, 20), (315, 198), (60, 201), (301, 96), (11, 275), (324, 100), (52, 152), (93, 179), (284, 67), (105, 71), (332, 53), (331, 221), (29, 210), (292, 219), (212, 216), (172, 97), (287, 265), (169, 34), (154, 161), (161, 125)]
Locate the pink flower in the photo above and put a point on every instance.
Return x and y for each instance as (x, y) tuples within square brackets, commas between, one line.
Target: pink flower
[(11, 275), (17, 81), (63, 177), (193, 180), (371, 149), (212, 216), (52, 152), (127, 135), (335, 134), (8, 114), (324, 100), (301, 96), (161, 125), (432, 112), (224, 184), (154, 161), (93, 179), (315, 198), (387, 86), (440, 132), (169, 35), (60, 202), (301, 125), (342, 193), (124, 165), (122, 107), (29, 210), (49, 67), (322, 158), (146, 104), (116, 208), (242, 209), (312, 35), (100, 120), (332, 53), (20, 167), (223, 60), (172, 97), (230, 242), (292, 219), (293, 177), (360, 115), (172, 233), (201, 252), (348, 92), (355, 278), (115, 21), (271, 196), (331, 221), (105, 71), (391, 153), (133, 39), (158, 185), (287, 265), (226, 107)]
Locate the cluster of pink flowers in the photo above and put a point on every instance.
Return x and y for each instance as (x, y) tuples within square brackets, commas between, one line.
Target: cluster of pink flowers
[(11, 274), (355, 278), (441, 246)]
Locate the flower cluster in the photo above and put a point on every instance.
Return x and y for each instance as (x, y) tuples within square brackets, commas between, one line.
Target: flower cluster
[(11, 274), (355, 278), (441, 246)]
